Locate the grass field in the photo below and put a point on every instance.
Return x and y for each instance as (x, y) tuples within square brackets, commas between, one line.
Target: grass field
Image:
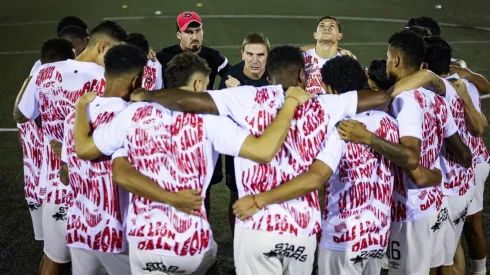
[(366, 25)]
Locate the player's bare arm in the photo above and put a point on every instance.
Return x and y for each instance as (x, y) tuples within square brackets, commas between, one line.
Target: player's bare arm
[(475, 120), (178, 100), (369, 100), (18, 116), (84, 142), (64, 174), (125, 176), (311, 180), (480, 82), (262, 149), (422, 78), (56, 147), (459, 150)]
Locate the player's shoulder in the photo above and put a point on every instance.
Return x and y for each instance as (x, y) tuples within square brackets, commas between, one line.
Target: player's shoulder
[(310, 52), (165, 54), (205, 50)]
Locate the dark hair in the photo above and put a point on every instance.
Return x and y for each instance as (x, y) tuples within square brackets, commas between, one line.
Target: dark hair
[(56, 49), (111, 29), (73, 31), (426, 22), (344, 74), (284, 58), (438, 54), (331, 18), (256, 38), (411, 45), (70, 20), (124, 59), (422, 31), (139, 40), (377, 73), (181, 68)]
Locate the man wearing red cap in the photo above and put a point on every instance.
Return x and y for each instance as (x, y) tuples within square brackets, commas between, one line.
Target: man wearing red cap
[(190, 34)]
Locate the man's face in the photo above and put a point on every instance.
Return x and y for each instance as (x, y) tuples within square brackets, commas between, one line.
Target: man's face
[(255, 57), (191, 38), (392, 64), (328, 30)]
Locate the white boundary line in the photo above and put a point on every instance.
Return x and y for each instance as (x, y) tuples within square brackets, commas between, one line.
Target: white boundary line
[(385, 43)]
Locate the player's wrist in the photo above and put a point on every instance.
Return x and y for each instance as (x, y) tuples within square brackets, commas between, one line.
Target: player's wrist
[(293, 100), (258, 202)]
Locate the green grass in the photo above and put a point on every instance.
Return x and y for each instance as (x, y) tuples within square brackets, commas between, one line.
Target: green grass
[(20, 253)]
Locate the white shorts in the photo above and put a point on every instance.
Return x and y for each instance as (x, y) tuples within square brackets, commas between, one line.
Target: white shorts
[(458, 209), (267, 253), (54, 229), (88, 262), (147, 262), (417, 246), (352, 263), (36, 211), (481, 174)]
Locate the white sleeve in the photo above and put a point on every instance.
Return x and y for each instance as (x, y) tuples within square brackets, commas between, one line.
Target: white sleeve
[(159, 82), (331, 153), (233, 102), (120, 153), (28, 104), (474, 94), (339, 106), (225, 135), (110, 136), (35, 67), (450, 128), (410, 116)]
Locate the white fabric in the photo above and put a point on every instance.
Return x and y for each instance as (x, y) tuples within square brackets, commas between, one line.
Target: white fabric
[(272, 254), (52, 93), (146, 262), (35, 67), (348, 262), (313, 69), (358, 196), (54, 227), (254, 109), (32, 140), (36, 211), (152, 76), (481, 174), (88, 262)]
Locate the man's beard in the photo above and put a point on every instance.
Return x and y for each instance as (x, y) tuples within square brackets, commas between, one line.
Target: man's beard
[(194, 48)]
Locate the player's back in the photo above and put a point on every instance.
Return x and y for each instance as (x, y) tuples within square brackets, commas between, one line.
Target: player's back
[(358, 197), (313, 67)]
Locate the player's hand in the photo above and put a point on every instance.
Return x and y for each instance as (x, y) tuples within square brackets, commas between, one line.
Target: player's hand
[(139, 95), (86, 98), (353, 131), (346, 52), (152, 55), (299, 94), (56, 146), (462, 72), (245, 207), (232, 82), (188, 201), (460, 88)]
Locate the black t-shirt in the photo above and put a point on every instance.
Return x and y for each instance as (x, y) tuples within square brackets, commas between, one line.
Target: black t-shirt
[(237, 72), (216, 61)]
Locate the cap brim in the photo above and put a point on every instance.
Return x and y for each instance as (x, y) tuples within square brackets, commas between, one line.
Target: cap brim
[(184, 27)]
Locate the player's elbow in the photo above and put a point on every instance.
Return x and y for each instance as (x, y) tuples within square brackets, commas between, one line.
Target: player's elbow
[(477, 130), (412, 163), (19, 117), (466, 157), (64, 174), (118, 176)]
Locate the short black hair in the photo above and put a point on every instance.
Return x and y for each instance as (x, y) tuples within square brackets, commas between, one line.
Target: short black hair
[(124, 59), (56, 49), (70, 20), (438, 55), (411, 45), (331, 18), (139, 40), (343, 74), (422, 31), (74, 32), (377, 73), (181, 68), (111, 29), (426, 22), (284, 58)]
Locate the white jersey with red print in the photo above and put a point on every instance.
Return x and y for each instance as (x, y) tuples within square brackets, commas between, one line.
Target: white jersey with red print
[(95, 217), (358, 196), (254, 109), (313, 71), (32, 148), (52, 94), (424, 115), (35, 67), (152, 76), (456, 179), (177, 151)]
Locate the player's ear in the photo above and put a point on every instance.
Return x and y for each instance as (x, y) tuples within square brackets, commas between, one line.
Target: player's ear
[(197, 85), (242, 52), (340, 36), (269, 80), (396, 60), (136, 83), (178, 35), (315, 35), (301, 76), (424, 66)]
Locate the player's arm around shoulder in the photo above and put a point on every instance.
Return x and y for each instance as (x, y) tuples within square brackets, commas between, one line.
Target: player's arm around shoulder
[(84, 143)]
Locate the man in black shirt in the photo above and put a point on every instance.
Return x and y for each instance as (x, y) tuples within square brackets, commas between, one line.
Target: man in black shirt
[(190, 33)]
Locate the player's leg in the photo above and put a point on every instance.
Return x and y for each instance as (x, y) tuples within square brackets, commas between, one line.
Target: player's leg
[(209, 265), (437, 239), (84, 262), (298, 254), (338, 262), (115, 263), (58, 255), (36, 211), (459, 261)]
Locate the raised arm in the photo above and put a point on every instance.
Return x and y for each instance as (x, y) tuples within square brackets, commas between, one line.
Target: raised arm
[(422, 78), (18, 115), (84, 142), (478, 80)]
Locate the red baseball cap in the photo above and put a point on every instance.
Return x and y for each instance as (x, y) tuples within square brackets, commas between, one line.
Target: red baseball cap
[(187, 17)]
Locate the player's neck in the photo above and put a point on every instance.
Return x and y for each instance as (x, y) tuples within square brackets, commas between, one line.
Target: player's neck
[(285, 81), (116, 89), (326, 50), (87, 56), (251, 75), (405, 72)]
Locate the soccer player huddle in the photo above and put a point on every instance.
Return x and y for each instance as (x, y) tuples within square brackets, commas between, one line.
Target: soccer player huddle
[(122, 145)]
